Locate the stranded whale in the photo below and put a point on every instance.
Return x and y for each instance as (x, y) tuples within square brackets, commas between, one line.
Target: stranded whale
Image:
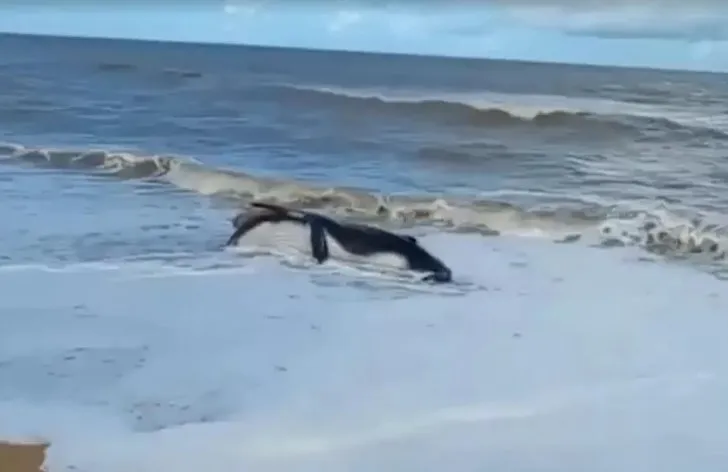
[(355, 239)]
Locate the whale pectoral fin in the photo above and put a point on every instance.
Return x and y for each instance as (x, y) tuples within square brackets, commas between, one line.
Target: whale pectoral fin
[(319, 246)]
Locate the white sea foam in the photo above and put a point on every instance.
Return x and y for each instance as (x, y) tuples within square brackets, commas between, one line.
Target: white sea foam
[(701, 236), (267, 370)]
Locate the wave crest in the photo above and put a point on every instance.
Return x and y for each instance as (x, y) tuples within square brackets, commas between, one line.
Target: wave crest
[(493, 110), (658, 230)]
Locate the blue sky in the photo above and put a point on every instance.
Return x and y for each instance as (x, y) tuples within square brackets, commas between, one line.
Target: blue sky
[(652, 33)]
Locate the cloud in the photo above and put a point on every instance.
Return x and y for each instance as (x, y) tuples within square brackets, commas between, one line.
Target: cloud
[(694, 21), (402, 23), (591, 5), (663, 19), (664, 33), (242, 7), (345, 18)]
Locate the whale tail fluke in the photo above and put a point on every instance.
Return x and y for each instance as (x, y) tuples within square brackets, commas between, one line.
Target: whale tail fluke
[(280, 209)]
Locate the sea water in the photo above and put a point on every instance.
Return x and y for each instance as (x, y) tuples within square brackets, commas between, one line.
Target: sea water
[(581, 216)]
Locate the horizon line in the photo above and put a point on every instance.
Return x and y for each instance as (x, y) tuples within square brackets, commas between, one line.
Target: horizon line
[(363, 52)]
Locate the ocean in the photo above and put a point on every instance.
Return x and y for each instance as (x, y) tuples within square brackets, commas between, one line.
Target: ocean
[(581, 209)]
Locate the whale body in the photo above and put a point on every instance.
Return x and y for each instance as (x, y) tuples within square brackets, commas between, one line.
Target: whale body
[(324, 237)]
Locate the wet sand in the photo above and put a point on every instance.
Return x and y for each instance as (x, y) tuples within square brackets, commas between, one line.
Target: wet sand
[(25, 457)]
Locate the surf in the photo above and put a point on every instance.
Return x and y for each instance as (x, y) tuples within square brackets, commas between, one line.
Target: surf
[(561, 218)]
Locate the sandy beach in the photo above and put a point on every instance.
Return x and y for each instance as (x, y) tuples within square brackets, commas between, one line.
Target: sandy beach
[(16, 457)]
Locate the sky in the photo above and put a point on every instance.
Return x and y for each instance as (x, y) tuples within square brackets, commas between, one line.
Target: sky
[(670, 34)]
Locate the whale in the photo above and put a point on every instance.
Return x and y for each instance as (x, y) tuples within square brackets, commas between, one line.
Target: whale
[(325, 237)]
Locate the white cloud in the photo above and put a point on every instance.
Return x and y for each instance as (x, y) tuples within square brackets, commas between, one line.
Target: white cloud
[(345, 18), (564, 31), (230, 9), (663, 19), (386, 19), (696, 20), (641, 21), (591, 5), (242, 7)]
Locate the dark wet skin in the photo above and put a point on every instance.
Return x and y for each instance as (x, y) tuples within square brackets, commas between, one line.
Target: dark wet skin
[(359, 239)]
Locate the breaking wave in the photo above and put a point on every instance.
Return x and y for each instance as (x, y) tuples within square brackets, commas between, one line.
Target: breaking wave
[(651, 119), (500, 110), (656, 229)]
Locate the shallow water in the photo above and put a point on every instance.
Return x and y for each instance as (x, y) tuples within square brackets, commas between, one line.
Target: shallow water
[(261, 366), (582, 215)]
